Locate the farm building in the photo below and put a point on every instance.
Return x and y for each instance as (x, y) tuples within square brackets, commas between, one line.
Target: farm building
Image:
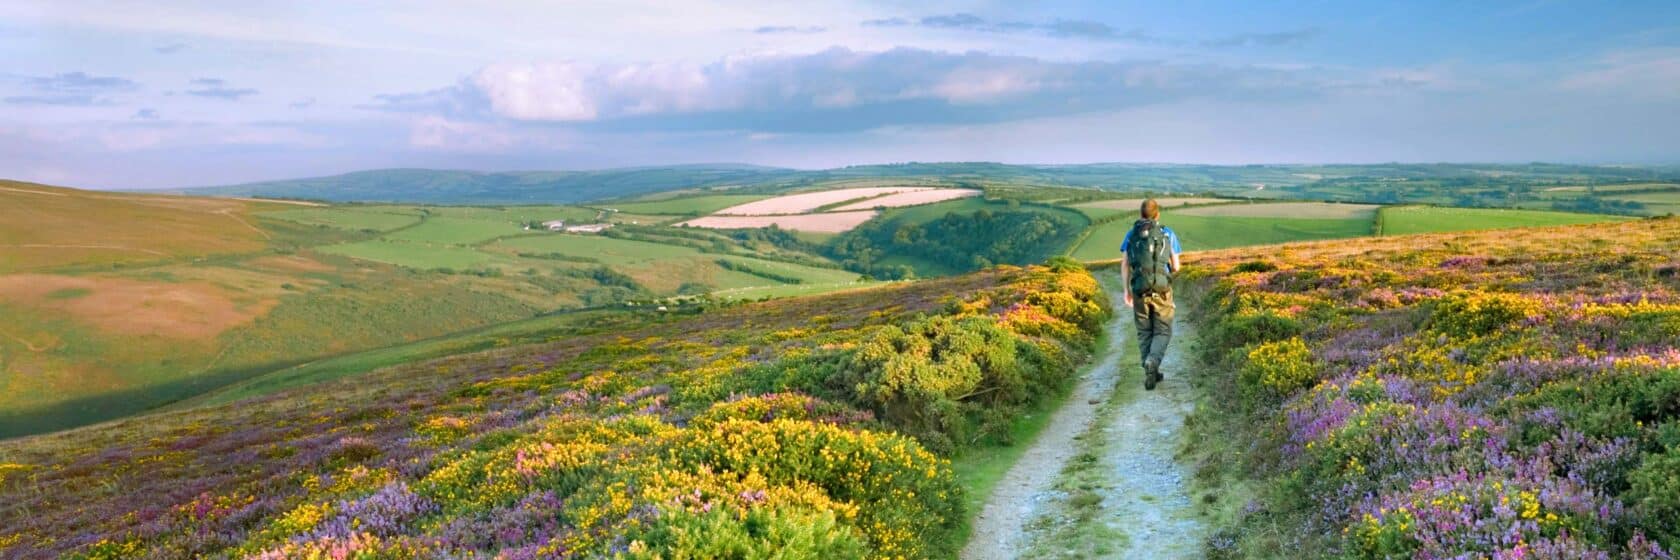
[(555, 225), (588, 228)]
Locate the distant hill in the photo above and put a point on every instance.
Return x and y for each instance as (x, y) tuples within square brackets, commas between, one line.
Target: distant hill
[(437, 186), (1460, 184)]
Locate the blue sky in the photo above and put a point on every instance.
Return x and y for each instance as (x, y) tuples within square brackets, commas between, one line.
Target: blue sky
[(170, 93)]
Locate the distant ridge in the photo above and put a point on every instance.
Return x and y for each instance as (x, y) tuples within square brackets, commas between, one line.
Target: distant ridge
[(510, 187), (438, 186)]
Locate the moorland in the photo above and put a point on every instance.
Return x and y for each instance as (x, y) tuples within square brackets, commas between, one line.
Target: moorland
[(520, 375)]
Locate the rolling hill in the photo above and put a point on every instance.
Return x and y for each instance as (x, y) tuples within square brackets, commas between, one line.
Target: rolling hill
[(1488, 185), (116, 303)]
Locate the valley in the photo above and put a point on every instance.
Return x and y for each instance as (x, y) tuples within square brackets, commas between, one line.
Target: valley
[(427, 354), (189, 295)]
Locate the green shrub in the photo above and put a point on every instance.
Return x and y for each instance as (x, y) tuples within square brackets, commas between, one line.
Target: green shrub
[(1278, 369), (756, 534), (1237, 331), (1610, 405), (909, 502), (932, 377), (1471, 314), (1655, 495)]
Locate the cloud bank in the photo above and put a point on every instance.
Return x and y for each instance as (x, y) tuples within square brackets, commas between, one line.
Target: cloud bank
[(833, 90)]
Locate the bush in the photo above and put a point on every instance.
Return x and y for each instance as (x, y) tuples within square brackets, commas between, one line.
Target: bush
[(1471, 314), (927, 377), (1655, 495), (774, 406), (1278, 369), (756, 534), (1609, 405), (909, 502), (1237, 331)]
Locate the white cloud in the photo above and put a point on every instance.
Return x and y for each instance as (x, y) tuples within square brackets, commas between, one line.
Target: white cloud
[(776, 91), (1645, 72), (983, 85), (445, 135), (547, 92)]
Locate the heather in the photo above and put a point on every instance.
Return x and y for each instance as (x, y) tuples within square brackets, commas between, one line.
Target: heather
[(788, 429), (1507, 395)]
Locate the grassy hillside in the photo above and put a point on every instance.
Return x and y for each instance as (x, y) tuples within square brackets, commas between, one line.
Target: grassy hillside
[(1511, 394), (817, 426), (117, 303), (1402, 220), (958, 236), (43, 227)]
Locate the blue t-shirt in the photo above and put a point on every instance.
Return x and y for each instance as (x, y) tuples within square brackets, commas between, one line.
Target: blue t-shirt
[(1126, 244)]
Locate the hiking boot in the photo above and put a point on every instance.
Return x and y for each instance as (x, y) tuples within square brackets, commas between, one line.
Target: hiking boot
[(1150, 378)]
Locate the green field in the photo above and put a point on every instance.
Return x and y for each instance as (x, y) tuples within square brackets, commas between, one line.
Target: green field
[(686, 206), (607, 250), (1287, 210), (1402, 220), (1656, 203), (805, 274), (413, 255), (457, 231), (350, 218), (1202, 233), (514, 213)]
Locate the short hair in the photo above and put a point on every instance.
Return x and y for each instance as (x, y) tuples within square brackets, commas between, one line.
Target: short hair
[(1151, 210)]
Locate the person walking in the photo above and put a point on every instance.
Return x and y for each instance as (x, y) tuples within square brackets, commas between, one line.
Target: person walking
[(1148, 263)]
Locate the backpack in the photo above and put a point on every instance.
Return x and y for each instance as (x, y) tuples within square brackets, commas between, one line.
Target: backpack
[(1150, 254)]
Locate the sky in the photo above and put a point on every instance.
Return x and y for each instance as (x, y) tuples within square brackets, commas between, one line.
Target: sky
[(177, 93)]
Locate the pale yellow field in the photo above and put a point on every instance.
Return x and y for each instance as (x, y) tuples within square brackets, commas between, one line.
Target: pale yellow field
[(806, 202), (912, 198), (830, 222)]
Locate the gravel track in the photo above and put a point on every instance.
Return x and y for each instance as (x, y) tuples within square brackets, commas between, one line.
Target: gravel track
[(1145, 492)]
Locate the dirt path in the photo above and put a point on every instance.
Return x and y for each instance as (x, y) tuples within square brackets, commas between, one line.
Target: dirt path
[(1000, 530), (1131, 498), (1149, 496), (111, 247), (236, 218)]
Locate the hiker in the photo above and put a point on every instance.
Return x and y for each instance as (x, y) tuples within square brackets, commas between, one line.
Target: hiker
[(1148, 263)]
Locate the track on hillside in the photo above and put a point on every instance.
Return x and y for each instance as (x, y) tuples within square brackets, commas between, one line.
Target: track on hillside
[(1128, 437)]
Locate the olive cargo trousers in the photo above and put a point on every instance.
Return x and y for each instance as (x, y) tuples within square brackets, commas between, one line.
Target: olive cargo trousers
[(1154, 316)]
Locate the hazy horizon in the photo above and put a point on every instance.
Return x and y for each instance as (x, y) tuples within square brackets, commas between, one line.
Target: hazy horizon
[(187, 93), (1655, 165)]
